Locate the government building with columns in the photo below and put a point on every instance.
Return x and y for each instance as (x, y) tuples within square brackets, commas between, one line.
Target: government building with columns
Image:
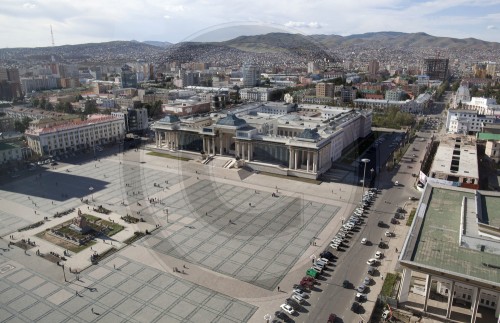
[(451, 256), (283, 138)]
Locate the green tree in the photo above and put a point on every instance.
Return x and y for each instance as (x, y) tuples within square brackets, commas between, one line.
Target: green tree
[(22, 125), (43, 103), (35, 102), (90, 107)]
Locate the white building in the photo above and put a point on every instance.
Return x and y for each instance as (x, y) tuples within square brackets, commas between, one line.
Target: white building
[(53, 139), (12, 152), (299, 143), (467, 121), (256, 94), (482, 106)]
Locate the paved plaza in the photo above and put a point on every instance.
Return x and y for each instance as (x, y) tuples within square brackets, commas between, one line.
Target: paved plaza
[(238, 230), (117, 290), (252, 236)]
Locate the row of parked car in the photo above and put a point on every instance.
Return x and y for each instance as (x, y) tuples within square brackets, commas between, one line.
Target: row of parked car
[(300, 291), (356, 219)]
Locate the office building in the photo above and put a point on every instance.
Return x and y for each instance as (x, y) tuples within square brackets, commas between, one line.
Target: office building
[(128, 77), (461, 121), (325, 90), (55, 138), (451, 253), (136, 120), (251, 75), (436, 68)]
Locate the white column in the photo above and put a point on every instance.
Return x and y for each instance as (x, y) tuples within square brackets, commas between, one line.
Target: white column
[(315, 162), (249, 151), (497, 311), (208, 145), (213, 143), (308, 160), (451, 291), (220, 143), (242, 150), (237, 148), (156, 138), (295, 158), (405, 286), (204, 144), (290, 159), (428, 281), (475, 303)]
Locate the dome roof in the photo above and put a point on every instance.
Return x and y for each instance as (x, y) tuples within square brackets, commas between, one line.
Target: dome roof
[(170, 119), (231, 120), (311, 134)]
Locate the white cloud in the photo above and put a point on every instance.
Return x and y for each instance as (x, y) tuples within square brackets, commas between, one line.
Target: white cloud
[(302, 24), (176, 8), (28, 5), (491, 27), (166, 17)]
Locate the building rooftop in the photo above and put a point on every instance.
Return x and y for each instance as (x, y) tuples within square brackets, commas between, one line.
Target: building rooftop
[(488, 136), (434, 240), (7, 146), (448, 161)]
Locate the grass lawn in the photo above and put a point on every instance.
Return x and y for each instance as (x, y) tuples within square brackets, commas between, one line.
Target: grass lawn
[(115, 227), (157, 154), (389, 281), (411, 216)]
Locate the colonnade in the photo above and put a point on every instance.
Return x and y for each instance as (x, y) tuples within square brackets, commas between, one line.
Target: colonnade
[(451, 288), (299, 156), (209, 145), (244, 149), (167, 138)]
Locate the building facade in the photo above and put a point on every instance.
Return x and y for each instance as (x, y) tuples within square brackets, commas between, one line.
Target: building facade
[(56, 139), (462, 121), (136, 120), (289, 144)]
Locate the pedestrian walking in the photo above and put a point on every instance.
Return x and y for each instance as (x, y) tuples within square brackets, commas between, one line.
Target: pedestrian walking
[(278, 288)]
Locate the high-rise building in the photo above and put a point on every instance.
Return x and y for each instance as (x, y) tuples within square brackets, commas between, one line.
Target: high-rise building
[(325, 89), (129, 77), (436, 68), (373, 67), (251, 75)]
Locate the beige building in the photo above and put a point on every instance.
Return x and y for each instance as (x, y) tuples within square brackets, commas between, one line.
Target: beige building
[(53, 138)]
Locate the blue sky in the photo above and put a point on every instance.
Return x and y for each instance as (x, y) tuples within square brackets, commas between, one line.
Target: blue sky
[(27, 23)]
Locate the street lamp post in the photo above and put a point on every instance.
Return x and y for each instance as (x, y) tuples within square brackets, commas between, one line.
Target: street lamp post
[(92, 194), (366, 161), (372, 171)]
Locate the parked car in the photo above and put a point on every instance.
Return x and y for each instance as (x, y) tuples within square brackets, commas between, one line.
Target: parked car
[(372, 261), (346, 284), (332, 318), (297, 298), (379, 254), (389, 234), (360, 297), (287, 308), (299, 292), (371, 270), (355, 307), (367, 281), (364, 241), (361, 288)]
